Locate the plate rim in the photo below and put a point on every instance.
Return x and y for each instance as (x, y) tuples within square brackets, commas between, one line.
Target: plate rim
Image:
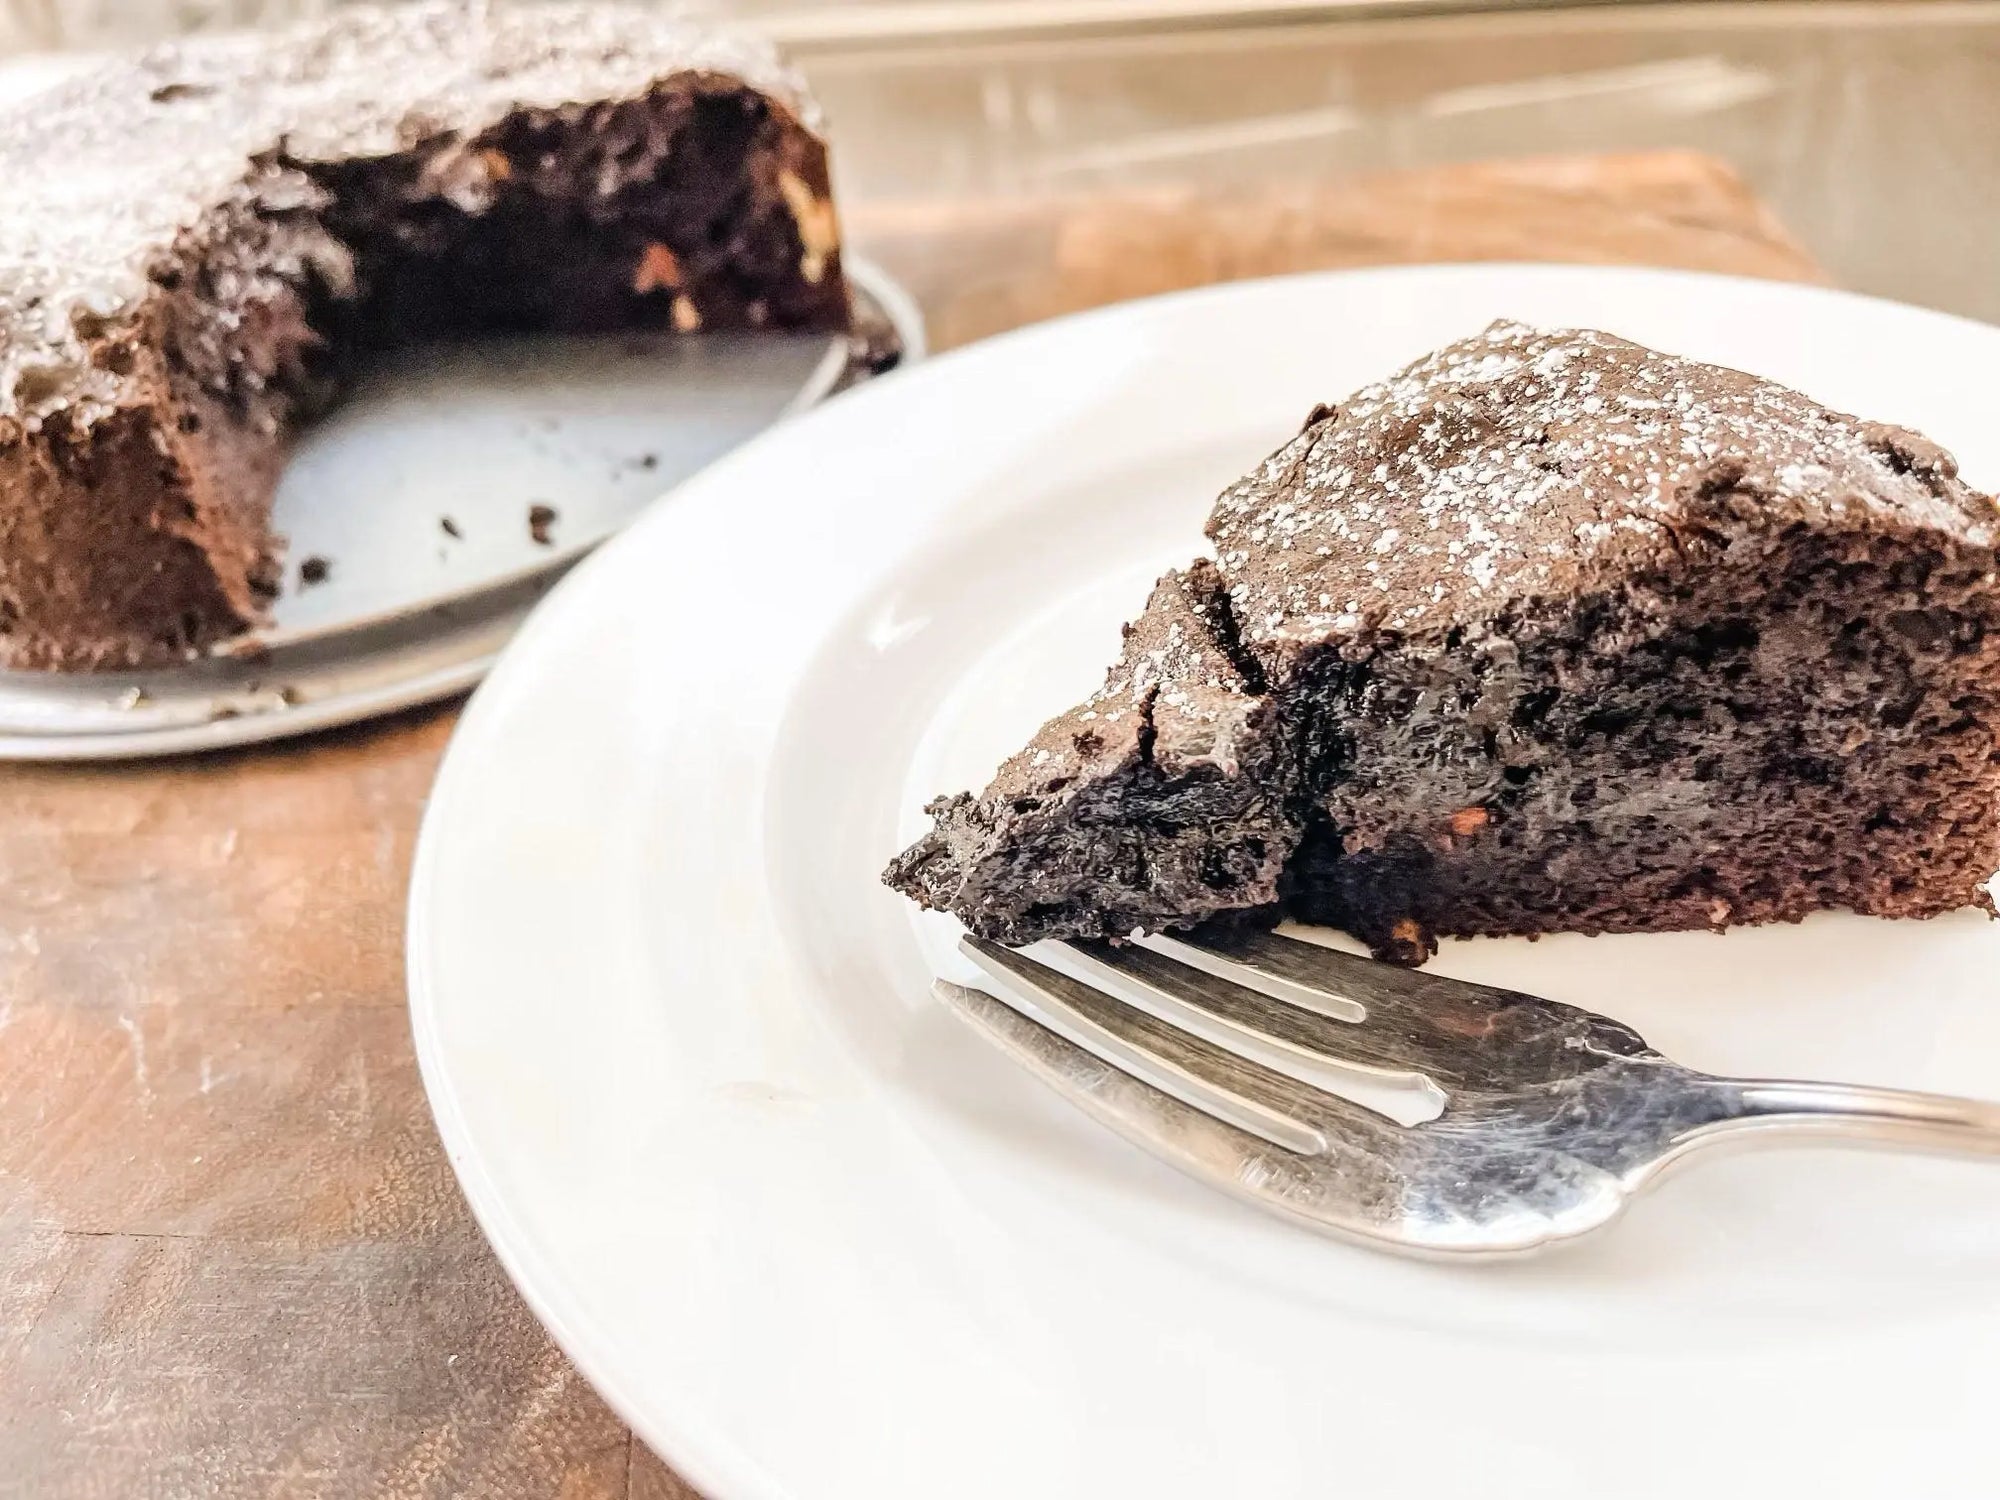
[(699, 1454)]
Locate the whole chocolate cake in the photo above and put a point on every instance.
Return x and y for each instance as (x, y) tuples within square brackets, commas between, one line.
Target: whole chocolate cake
[(1548, 632), (198, 243)]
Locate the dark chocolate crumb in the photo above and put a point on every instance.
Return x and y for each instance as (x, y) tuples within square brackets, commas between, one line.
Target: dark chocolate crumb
[(315, 570), (541, 517), (450, 527), (167, 93), (873, 345)]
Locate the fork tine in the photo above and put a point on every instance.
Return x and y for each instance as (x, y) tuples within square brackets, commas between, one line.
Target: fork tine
[(1464, 1036), (1148, 1116), (1239, 1091), (1247, 1017), (1353, 1191), (1378, 988), (1283, 1144)]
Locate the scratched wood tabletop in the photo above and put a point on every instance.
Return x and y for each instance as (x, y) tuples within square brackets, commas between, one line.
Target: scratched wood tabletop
[(233, 1261)]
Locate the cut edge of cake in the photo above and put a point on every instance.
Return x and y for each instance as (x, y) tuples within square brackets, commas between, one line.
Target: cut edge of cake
[(1162, 795)]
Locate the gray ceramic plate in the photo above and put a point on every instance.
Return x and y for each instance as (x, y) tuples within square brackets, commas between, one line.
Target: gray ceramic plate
[(444, 498)]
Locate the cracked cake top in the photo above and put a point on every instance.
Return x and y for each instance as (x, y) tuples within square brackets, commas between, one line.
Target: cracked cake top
[(1522, 462)]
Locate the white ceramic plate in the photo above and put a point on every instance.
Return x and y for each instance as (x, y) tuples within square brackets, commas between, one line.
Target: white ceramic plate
[(817, 1242)]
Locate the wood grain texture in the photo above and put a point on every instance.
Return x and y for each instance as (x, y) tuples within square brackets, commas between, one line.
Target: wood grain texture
[(982, 269), (233, 1261)]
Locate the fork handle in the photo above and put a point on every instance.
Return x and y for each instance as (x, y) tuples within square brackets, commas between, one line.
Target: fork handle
[(1853, 1114)]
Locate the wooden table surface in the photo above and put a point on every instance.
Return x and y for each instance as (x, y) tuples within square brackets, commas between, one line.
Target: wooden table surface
[(233, 1261)]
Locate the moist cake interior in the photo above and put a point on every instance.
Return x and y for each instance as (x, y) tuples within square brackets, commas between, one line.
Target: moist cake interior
[(629, 216)]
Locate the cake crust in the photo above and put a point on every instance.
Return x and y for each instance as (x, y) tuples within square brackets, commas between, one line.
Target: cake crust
[(1527, 464)]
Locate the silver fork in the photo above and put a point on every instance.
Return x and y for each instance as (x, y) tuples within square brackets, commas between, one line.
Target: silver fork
[(1554, 1117)]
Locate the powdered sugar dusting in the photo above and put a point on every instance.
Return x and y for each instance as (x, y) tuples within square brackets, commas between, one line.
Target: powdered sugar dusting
[(105, 171), (1174, 680), (1513, 462)]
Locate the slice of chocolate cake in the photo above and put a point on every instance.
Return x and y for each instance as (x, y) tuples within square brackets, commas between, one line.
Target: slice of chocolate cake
[(1549, 632), (198, 243)]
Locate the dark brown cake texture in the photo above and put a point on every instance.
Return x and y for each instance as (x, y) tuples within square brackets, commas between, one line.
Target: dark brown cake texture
[(199, 242), (1548, 632)]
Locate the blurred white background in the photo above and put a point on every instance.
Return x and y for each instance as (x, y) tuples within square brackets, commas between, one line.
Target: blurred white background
[(1871, 127)]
